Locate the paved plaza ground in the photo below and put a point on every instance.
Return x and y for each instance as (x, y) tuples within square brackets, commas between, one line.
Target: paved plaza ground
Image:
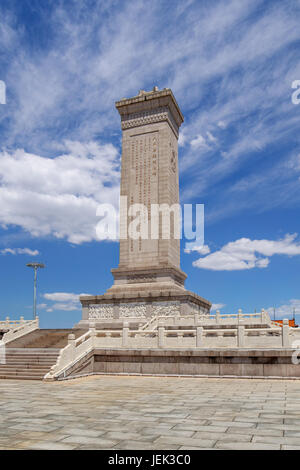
[(110, 412)]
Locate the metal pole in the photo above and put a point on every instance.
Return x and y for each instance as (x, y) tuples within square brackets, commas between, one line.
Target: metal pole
[(34, 293), (35, 266)]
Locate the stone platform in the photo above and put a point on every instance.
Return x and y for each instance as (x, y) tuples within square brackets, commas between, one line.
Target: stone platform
[(247, 363)]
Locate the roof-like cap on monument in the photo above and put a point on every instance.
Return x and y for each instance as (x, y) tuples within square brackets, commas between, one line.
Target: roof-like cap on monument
[(154, 94)]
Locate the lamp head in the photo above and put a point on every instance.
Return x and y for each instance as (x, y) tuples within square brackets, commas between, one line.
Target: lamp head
[(35, 265)]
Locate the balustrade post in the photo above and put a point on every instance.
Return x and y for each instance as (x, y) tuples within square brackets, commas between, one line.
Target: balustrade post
[(125, 334), (285, 333), (241, 336), (161, 335), (218, 318), (262, 316), (240, 315), (71, 342), (180, 338), (199, 333), (92, 330)]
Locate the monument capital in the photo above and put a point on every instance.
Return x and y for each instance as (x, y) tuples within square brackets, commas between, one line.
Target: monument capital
[(150, 107)]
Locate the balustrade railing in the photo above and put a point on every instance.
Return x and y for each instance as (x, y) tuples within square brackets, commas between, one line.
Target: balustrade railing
[(199, 337), (17, 328)]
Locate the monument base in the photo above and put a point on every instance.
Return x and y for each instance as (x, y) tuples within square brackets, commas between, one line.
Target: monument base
[(111, 310)]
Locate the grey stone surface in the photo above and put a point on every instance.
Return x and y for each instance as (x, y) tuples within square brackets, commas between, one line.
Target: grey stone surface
[(156, 413)]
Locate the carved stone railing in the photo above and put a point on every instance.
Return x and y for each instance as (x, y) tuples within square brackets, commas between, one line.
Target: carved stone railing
[(17, 328), (209, 320), (74, 351), (199, 337)]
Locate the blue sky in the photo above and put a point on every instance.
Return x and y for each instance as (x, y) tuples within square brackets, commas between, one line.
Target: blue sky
[(230, 65)]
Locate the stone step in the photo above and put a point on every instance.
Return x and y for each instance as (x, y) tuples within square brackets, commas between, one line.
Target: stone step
[(25, 366), (16, 373), (30, 359), (21, 377), (45, 338), (32, 351), (31, 356), (19, 373)]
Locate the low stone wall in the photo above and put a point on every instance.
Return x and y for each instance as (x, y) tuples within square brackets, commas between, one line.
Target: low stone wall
[(215, 362)]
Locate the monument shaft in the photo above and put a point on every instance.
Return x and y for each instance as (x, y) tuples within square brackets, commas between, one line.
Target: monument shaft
[(149, 175), (150, 124)]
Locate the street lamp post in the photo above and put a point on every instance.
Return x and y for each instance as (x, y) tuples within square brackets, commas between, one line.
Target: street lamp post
[(35, 266)]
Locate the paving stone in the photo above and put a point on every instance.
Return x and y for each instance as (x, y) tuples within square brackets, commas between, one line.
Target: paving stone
[(231, 424), (139, 445), (165, 432), (193, 427), (105, 443), (255, 431), (222, 436), (50, 446), (185, 441), (196, 448), (287, 447), (119, 436), (280, 440), (292, 433), (245, 446), (82, 432)]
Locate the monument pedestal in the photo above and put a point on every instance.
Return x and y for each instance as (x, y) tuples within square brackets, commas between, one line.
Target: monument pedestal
[(111, 310), (138, 296)]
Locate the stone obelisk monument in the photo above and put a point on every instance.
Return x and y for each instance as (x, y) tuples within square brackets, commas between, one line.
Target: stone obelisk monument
[(148, 280)]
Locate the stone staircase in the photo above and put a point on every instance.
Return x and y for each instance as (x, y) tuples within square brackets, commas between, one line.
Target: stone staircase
[(32, 356)]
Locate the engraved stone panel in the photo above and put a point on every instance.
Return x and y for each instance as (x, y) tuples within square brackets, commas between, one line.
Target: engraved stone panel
[(133, 310), (97, 312), (135, 278), (143, 181), (166, 308)]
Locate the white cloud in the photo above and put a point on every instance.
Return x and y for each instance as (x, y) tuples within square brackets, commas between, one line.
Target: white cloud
[(217, 307), (62, 296), (198, 141), (66, 301), (203, 250), (181, 139), (222, 124), (285, 310), (248, 254), (59, 196), (41, 306), (211, 137), (19, 251)]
